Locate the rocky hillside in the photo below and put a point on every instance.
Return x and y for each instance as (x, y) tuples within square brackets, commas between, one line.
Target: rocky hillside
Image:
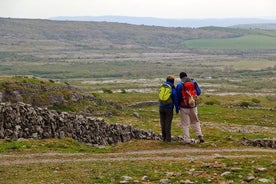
[(53, 95)]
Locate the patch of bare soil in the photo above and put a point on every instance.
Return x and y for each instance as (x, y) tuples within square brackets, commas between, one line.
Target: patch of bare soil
[(163, 154)]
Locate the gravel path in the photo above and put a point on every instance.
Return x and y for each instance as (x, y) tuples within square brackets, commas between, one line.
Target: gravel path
[(163, 154)]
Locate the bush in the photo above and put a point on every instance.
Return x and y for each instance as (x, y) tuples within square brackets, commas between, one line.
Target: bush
[(244, 104), (254, 100), (106, 90), (212, 102)]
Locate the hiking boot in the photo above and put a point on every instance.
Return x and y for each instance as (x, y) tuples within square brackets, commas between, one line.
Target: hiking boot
[(190, 141), (201, 140)]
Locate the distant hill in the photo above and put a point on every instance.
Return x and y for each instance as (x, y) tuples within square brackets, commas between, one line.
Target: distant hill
[(256, 26), (78, 49), (194, 23), (104, 35)]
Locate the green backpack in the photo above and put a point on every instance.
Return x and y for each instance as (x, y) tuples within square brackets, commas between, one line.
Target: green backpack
[(165, 94)]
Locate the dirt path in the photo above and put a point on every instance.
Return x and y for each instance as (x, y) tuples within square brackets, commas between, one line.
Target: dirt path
[(163, 154)]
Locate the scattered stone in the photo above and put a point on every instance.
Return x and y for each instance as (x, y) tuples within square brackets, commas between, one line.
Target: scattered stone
[(186, 182), (127, 178), (170, 174), (145, 178), (261, 169), (206, 165), (164, 181), (136, 115), (249, 178), (264, 180), (227, 182), (226, 173), (235, 169), (123, 182)]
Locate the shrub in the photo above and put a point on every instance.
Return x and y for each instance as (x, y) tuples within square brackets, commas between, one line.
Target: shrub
[(244, 104), (212, 102), (254, 100), (107, 90)]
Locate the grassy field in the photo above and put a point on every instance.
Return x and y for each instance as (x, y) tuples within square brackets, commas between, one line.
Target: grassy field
[(225, 122), (199, 171), (245, 42), (58, 50)]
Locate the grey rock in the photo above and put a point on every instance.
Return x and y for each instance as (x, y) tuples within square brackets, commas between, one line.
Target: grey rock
[(22, 121)]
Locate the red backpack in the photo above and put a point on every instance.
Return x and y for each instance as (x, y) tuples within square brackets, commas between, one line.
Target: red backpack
[(189, 95)]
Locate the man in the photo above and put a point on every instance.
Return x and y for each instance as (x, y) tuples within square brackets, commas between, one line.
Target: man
[(188, 114), (166, 109)]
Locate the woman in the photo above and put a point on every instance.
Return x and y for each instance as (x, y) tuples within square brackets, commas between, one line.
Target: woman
[(166, 108)]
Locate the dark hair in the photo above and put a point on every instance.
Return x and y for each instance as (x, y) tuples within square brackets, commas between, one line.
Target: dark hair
[(182, 74), (170, 78)]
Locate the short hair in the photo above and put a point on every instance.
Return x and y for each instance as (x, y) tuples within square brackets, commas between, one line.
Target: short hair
[(182, 74), (170, 78)]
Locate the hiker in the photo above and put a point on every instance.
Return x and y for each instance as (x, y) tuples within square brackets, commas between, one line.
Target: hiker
[(188, 107), (167, 101)]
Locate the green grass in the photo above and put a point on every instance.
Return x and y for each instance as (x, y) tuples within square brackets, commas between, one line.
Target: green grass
[(244, 42), (67, 145), (205, 171), (16, 80), (222, 111)]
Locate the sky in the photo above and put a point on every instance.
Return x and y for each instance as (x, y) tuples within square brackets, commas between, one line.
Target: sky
[(176, 9)]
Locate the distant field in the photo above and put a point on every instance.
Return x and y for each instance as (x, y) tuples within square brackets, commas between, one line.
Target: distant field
[(244, 42), (127, 58)]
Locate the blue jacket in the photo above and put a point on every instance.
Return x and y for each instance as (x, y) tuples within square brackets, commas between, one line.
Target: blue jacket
[(179, 92), (174, 98)]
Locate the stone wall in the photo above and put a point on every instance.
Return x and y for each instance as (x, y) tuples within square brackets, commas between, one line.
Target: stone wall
[(268, 143), (19, 120)]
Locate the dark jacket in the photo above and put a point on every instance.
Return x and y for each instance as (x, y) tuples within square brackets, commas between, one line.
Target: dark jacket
[(174, 98)]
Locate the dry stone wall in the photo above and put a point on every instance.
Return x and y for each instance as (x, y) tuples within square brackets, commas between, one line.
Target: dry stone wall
[(268, 143), (19, 120)]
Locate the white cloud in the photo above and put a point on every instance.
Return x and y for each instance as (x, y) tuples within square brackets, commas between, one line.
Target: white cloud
[(144, 8)]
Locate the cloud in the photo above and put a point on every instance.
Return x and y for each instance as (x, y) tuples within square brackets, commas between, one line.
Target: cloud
[(141, 8)]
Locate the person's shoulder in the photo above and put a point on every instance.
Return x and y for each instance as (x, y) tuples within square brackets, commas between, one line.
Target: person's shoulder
[(179, 84), (194, 81), (169, 83)]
